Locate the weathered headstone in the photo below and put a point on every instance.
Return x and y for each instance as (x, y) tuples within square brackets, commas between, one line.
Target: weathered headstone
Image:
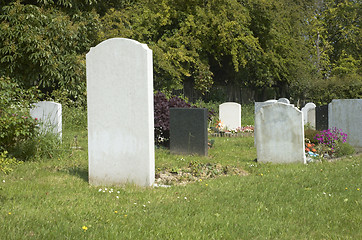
[(188, 131), (311, 117), (280, 135), (321, 116), (230, 115), (259, 105), (284, 100), (346, 114), (120, 113), (305, 111), (49, 115)]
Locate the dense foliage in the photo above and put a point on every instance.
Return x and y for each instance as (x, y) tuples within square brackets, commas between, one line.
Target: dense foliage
[(304, 49), (16, 125)]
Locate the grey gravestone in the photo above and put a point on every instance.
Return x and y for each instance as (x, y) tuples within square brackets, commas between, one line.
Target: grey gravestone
[(188, 131), (346, 114), (321, 117), (120, 113), (280, 135)]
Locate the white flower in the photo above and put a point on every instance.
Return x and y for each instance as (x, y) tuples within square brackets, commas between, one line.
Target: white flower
[(118, 191), (100, 190), (117, 197), (144, 205), (3, 181), (185, 198)]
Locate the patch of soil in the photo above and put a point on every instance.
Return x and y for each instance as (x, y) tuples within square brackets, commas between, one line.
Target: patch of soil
[(196, 172)]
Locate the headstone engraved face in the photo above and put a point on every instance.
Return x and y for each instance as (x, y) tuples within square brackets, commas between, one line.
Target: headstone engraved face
[(280, 135), (120, 113), (346, 114), (188, 131), (49, 115), (321, 116), (230, 115), (306, 110)]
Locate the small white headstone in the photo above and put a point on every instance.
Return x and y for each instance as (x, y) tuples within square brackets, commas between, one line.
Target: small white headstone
[(49, 115), (346, 114), (120, 113), (230, 115), (280, 135), (311, 117), (305, 111)]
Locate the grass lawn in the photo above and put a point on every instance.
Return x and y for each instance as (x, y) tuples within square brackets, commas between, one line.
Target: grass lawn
[(51, 199)]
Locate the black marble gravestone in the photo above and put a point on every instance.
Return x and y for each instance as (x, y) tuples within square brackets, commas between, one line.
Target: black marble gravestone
[(321, 115), (188, 131)]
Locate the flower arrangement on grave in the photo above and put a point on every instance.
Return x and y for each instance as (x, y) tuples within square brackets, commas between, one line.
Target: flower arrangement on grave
[(328, 144), (329, 141)]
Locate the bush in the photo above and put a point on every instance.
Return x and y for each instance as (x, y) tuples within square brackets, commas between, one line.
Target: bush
[(344, 149), (16, 125), (5, 162), (310, 135), (162, 107)]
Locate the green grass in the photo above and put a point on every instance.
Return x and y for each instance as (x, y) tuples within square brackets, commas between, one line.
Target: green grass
[(51, 199)]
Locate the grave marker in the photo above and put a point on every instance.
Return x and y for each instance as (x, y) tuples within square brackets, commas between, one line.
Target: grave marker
[(188, 131), (321, 117), (280, 135), (230, 115), (346, 114), (49, 115), (120, 113), (305, 111)]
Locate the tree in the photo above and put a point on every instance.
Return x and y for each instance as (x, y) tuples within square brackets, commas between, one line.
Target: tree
[(45, 47)]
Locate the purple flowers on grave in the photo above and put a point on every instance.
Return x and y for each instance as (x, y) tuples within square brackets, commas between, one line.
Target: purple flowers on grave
[(331, 137)]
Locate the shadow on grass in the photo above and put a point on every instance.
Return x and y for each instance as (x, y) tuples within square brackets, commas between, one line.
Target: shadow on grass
[(82, 173)]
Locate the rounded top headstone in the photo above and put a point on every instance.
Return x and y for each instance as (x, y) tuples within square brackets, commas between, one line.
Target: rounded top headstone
[(284, 100)]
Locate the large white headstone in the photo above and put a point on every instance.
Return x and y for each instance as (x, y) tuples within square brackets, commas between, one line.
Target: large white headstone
[(120, 113), (280, 135), (306, 109), (230, 115), (346, 114), (49, 115)]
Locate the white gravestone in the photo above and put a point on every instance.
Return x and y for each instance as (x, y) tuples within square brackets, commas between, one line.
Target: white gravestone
[(346, 114), (311, 117), (259, 105), (305, 111), (120, 113), (280, 135), (49, 115), (230, 115)]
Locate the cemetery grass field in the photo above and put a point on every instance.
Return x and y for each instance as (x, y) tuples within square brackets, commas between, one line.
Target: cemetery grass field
[(51, 198)]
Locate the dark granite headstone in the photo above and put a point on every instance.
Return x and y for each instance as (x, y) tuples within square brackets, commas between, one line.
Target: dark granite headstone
[(321, 117), (188, 131)]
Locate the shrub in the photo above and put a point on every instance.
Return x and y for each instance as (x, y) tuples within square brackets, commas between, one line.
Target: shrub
[(162, 107), (344, 149), (16, 125), (310, 135), (5, 162)]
